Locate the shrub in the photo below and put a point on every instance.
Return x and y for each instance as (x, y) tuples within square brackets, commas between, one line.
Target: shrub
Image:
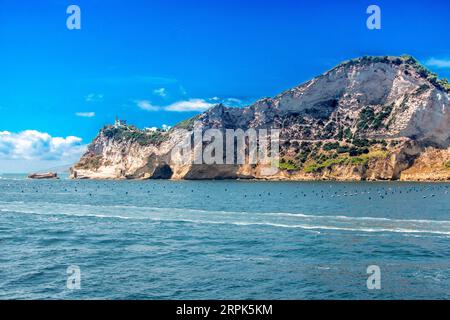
[(348, 134), (302, 156), (361, 142), (318, 166), (443, 83), (330, 146), (340, 134), (423, 88), (354, 152), (284, 164), (359, 160), (385, 113), (378, 154), (394, 143), (343, 149), (366, 118), (447, 165)]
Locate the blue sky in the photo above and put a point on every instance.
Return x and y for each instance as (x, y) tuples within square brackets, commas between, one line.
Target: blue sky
[(150, 62)]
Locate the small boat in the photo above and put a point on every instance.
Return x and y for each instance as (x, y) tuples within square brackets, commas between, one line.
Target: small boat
[(46, 175)]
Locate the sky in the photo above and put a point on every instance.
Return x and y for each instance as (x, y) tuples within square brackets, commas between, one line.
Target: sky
[(158, 62)]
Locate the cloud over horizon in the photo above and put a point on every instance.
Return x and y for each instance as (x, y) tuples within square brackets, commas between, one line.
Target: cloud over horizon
[(35, 145)]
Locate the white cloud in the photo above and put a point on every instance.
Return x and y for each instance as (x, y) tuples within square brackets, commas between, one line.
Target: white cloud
[(35, 145), (230, 102), (93, 97), (233, 102), (189, 105), (179, 106), (146, 105), (439, 63), (160, 92), (85, 114)]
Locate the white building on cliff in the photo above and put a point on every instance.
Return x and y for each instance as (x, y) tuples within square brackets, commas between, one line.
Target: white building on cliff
[(120, 123)]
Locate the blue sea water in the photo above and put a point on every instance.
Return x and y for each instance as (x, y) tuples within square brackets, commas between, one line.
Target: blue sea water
[(223, 239)]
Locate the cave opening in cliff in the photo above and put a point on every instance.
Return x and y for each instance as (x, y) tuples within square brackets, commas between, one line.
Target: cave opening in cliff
[(162, 172)]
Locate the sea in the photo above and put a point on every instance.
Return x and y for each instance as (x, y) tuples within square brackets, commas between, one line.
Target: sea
[(159, 239)]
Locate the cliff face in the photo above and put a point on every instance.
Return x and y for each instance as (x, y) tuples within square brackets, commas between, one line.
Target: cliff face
[(373, 118)]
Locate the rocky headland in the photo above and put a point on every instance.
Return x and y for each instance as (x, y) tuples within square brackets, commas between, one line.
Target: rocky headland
[(371, 118)]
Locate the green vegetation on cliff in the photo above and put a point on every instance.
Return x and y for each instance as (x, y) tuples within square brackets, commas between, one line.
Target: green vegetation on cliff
[(368, 119), (447, 165), (442, 84), (289, 164), (408, 60), (317, 166), (131, 133), (187, 124), (316, 156), (92, 162)]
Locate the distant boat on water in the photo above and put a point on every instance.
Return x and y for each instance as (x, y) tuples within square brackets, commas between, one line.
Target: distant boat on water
[(46, 175)]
